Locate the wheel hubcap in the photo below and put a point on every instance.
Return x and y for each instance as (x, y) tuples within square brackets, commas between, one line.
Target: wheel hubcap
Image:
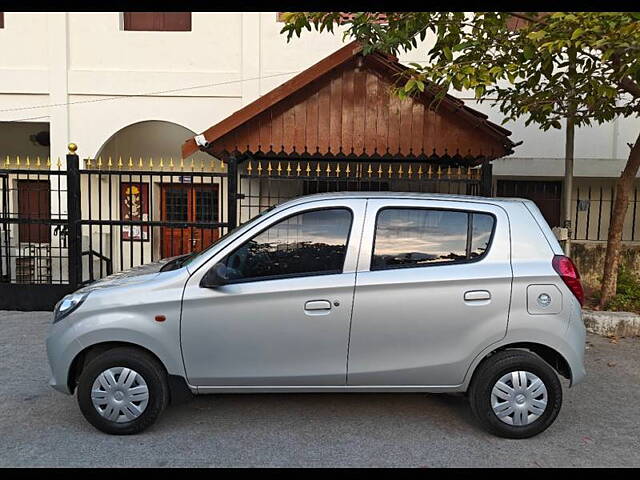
[(519, 398), (120, 394)]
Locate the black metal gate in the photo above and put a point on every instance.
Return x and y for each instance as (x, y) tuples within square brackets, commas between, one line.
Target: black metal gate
[(61, 229), (34, 235)]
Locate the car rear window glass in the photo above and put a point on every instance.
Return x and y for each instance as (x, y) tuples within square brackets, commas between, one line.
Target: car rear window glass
[(482, 228), (414, 237)]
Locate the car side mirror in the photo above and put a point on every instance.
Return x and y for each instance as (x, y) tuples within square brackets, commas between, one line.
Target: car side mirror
[(216, 276)]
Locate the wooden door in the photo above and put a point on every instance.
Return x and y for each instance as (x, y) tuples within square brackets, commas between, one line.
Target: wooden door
[(195, 203), (34, 202)]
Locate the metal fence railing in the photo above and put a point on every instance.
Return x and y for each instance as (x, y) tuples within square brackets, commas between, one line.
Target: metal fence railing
[(592, 214), (65, 224), (264, 183)]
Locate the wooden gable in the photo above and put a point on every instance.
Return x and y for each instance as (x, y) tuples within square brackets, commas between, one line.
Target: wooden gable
[(349, 109)]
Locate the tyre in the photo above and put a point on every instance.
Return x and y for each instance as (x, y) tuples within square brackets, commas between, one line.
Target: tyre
[(122, 391), (515, 394)]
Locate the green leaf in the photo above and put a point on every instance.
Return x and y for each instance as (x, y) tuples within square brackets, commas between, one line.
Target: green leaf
[(529, 52), (447, 53), (409, 85), (577, 33), (535, 36), (461, 46)]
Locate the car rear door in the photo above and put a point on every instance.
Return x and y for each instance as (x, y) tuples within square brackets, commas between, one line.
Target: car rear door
[(432, 290)]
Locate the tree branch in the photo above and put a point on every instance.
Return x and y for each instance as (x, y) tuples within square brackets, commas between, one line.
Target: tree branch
[(630, 87), (626, 83)]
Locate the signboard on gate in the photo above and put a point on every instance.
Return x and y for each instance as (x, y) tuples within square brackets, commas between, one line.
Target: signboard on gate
[(134, 206)]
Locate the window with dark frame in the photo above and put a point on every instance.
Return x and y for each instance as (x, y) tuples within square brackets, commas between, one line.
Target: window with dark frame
[(415, 237), (345, 17), (157, 21)]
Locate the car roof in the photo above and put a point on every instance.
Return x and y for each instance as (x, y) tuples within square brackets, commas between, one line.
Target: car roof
[(402, 195)]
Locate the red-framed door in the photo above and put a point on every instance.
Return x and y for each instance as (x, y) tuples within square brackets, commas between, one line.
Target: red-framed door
[(189, 203)]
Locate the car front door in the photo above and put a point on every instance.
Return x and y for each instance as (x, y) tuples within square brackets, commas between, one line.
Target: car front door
[(433, 289), (283, 317)]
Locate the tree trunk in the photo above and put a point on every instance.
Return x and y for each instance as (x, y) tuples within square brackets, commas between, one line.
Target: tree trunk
[(569, 147), (614, 241)]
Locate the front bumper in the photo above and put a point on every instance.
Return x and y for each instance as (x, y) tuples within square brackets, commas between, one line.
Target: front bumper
[(62, 348)]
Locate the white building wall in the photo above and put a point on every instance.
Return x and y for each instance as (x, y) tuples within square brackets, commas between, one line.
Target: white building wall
[(83, 58)]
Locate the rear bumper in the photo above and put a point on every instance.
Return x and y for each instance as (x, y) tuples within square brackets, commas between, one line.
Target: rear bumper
[(576, 337)]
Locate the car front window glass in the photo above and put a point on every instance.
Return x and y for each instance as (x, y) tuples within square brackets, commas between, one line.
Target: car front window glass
[(309, 243)]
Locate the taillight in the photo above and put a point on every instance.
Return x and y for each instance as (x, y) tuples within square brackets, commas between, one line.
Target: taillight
[(569, 274)]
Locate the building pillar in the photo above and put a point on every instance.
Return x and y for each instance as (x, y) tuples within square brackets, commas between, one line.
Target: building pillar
[(58, 56), (250, 66), (58, 49)]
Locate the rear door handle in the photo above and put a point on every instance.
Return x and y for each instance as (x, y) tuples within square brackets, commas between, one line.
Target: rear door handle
[(317, 305), (475, 295)]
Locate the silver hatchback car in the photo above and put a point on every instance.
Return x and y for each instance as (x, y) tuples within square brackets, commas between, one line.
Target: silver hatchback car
[(345, 292)]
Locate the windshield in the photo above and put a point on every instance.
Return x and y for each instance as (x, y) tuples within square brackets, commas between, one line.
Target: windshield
[(189, 259)]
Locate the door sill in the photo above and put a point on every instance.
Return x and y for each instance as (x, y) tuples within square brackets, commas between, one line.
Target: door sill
[(327, 389)]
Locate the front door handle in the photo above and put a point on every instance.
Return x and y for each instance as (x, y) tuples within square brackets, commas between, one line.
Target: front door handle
[(317, 305), (475, 295)]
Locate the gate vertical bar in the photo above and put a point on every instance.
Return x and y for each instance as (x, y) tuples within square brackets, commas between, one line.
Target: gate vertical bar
[(232, 192), (73, 217), (5, 276), (486, 180)]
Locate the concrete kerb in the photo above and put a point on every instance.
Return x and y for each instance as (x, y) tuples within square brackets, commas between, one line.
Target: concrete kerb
[(618, 324)]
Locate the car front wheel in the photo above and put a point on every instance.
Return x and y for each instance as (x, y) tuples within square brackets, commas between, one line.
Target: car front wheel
[(515, 394), (122, 391)]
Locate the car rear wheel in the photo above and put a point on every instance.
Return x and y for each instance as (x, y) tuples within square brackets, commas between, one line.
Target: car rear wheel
[(122, 391), (515, 394)]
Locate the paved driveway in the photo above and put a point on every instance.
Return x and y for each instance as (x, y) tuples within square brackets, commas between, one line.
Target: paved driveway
[(599, 423)]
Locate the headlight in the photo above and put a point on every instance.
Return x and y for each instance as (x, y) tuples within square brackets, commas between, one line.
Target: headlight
[(67, 305)]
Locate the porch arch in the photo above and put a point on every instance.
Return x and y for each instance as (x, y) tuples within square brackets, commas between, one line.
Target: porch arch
[(146, 138)]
